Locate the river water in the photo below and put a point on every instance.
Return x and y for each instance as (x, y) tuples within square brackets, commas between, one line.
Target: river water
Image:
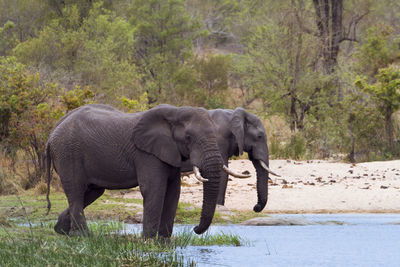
[(362, 240)]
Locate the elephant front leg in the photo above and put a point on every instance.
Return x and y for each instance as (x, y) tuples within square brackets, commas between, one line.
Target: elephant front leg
[(153, 181), (153, 201), (170, 206), (223, 184)]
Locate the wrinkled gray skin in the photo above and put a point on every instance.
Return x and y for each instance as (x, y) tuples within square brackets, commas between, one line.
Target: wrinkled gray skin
[(98, 147), (238, 131)]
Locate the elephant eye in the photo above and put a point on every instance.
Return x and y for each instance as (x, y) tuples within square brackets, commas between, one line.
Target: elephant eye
[(188, 138), (259, 136)]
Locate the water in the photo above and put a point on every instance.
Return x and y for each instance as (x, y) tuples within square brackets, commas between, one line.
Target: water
[(364, 240)]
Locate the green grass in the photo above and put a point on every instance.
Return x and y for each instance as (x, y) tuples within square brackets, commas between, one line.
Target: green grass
[(41, 247), (27, 237), (35, 206), (38, 245), (111, 206)]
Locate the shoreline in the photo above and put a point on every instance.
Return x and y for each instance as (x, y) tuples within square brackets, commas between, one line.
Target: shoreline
[(323, 211)]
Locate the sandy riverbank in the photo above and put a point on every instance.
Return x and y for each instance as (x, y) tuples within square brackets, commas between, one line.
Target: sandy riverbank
[(314, 186)]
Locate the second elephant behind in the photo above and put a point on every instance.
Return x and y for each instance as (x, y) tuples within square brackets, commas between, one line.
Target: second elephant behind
[(239, 131)]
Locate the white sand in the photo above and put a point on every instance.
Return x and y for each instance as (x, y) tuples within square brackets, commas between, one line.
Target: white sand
[(315, 186)]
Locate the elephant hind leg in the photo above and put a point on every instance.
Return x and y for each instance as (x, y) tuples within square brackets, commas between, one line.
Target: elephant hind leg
[(75, 193), (171, 200), (91, 194), (63, 225), (79, 225), (78, 220)]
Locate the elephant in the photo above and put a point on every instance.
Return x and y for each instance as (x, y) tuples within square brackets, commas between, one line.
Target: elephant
[(239, 131), (97, 147)]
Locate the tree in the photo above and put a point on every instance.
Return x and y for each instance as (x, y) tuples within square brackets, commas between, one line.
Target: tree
[(164, 32), (27, 15), (212, 81), (97, 52), (278, 68), (386, 92), (8, 38), (219, 19), (330, 30), (380, 48), (25, 116)]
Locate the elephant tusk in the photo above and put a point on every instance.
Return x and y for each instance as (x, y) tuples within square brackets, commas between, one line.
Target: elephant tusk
[(228, 171), (198, 175), (267, 169)]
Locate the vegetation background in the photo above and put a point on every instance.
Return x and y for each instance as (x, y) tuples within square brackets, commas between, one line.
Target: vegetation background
[(324, 75)]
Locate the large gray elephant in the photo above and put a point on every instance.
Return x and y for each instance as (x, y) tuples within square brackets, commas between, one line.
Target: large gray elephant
[(239, 131), (98, 147)]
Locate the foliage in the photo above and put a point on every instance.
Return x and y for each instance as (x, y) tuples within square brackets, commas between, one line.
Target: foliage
[(295, 148), (386, 89), (270, 57), (278, 70), (97, 51), (78, 97), (380, 49), (212, 80), (133, 105), (386, 93), (164, 32), (8, 38), (29, 109), (26, 117), (26, 15)]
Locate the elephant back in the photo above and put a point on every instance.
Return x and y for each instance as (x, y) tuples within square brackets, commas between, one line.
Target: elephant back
[(91, 132)]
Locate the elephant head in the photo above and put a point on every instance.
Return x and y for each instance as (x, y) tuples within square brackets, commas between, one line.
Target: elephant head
[(250, 136), (174, 134)]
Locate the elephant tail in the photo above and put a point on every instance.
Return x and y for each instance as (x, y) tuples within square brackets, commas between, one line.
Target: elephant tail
[(48, 169)]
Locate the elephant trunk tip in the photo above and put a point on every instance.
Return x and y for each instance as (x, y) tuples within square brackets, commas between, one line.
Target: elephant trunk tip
[(258, 207), (199, 230)]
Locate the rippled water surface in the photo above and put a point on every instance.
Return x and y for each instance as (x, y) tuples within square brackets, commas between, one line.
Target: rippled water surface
[(363, 240)]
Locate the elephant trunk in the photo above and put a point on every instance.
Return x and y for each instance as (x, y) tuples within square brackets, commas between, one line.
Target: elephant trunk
[(209, 203), (211, 169), (262, 186)]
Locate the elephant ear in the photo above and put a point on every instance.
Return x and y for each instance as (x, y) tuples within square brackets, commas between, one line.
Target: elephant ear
[(237, 127), (153, 134)]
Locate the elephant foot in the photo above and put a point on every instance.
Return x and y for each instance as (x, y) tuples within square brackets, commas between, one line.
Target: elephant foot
[(79, 232), (79, 228), (63, 225)]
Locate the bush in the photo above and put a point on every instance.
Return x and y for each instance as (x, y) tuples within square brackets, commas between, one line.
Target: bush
[(295, 148)]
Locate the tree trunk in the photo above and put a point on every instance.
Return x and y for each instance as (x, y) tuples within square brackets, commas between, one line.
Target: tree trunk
[(351, 154), (389, 127), (329, 15), (293, 114)]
